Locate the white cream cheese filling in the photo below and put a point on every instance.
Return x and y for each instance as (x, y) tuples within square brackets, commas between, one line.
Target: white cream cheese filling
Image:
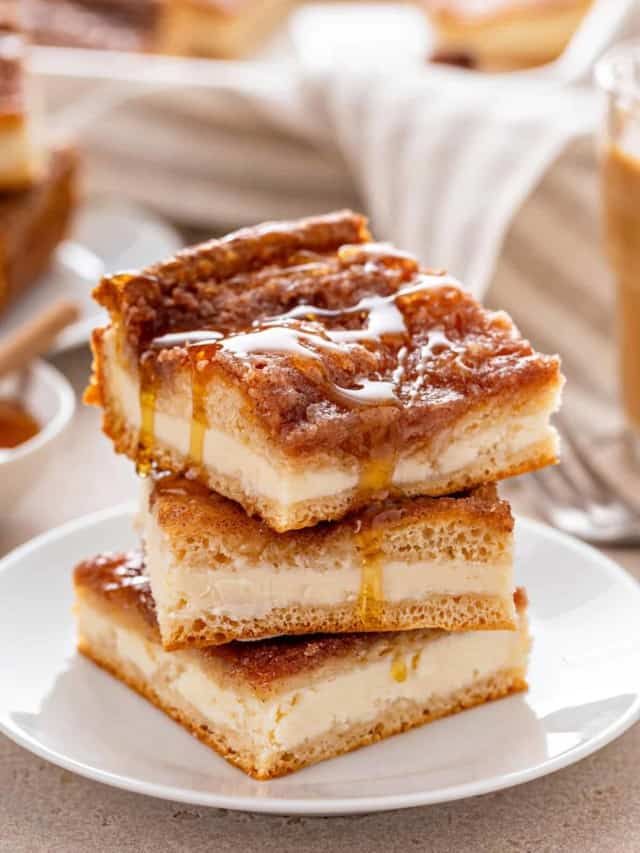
[(435, 668), (259, 475), (251, 590)]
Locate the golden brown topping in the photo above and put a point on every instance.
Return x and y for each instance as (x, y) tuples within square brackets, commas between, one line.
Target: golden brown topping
[(226, 284), (263, 662), (334, 340), (119, 578), (184, 504)]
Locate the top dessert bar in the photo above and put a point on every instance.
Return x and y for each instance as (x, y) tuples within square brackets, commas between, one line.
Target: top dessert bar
[(502, 35), (303, 370), (21, 160)]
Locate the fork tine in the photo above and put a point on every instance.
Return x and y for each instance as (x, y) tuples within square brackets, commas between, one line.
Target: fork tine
[(562, 472), (543, 486), (568, 434), (544, 494)]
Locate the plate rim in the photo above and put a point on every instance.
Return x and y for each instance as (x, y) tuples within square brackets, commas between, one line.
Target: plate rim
[(322, 806)]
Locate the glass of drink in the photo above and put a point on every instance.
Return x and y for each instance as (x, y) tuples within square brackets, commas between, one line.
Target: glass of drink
[(618, 76)]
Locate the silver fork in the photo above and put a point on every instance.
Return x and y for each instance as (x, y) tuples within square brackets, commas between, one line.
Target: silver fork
[(575, 497)]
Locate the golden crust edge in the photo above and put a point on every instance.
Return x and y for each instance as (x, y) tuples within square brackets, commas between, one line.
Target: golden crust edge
[(501, 684), (494, 615)]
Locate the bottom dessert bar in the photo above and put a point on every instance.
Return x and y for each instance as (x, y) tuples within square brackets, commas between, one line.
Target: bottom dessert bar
[(33, 223), (273, 706)]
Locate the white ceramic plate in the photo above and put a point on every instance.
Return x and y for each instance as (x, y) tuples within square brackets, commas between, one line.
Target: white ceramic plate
[(106, 237), (585, 677)]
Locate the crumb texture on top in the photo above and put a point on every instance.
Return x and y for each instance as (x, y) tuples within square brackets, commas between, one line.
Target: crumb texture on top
[(330, 339)]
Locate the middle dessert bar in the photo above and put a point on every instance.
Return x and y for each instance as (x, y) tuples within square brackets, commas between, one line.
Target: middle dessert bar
[(303, 371), (219, 575)]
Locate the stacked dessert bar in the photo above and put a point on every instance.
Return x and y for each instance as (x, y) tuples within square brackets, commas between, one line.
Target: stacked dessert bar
[(503, 35), (208, 28), (319, 424), (36, 183)]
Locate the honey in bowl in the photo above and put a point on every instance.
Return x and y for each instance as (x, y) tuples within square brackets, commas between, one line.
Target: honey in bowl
[(17, 424)]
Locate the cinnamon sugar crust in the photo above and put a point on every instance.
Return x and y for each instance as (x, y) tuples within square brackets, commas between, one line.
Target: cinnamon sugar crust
[(185, 507), (330, 340), (118, 580)]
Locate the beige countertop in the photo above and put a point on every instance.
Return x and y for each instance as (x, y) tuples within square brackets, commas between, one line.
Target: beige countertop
[(591, 807)]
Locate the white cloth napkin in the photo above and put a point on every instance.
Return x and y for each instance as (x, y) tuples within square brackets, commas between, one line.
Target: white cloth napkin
[(440, 160)]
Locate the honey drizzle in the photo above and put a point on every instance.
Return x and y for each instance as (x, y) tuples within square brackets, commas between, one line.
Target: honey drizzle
[(371, 592), (277, 334), (199, 418), (398, 668), (148, 394), (376, 474), (375, 479)]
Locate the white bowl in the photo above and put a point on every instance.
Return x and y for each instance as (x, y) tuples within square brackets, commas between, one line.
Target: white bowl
[(50, 399)]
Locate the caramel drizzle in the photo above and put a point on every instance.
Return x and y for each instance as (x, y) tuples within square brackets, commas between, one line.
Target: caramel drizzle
[(199, 418), (148, 394), (371, 598), (277, 334), (398, 668)]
